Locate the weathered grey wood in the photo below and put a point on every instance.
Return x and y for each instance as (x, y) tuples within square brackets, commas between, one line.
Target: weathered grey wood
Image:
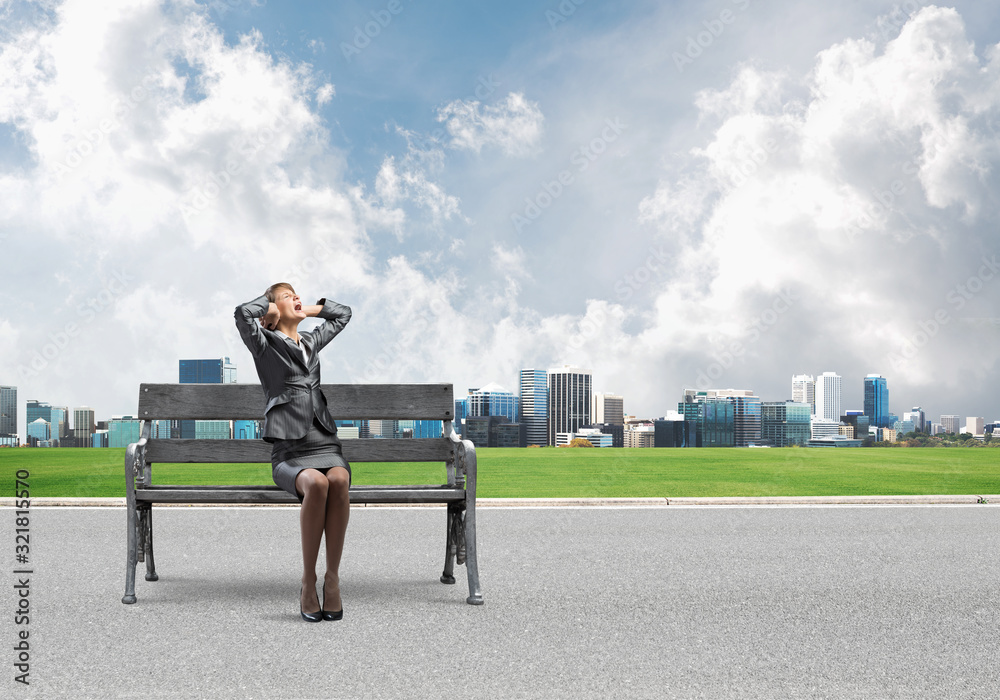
[(243, 494), (246, 401), (247, 451)]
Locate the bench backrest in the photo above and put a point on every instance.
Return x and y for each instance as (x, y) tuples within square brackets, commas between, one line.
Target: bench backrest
[(346, 402)]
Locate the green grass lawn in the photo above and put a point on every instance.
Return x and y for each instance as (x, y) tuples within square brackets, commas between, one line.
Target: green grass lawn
[(561, 473)]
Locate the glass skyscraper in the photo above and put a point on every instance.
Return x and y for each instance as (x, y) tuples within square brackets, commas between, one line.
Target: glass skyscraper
[(828, 396), (714, 418), (215, 371), (534, 405), (877, 401), (8, 411), (489, 400), (785, 423), (570, 392)]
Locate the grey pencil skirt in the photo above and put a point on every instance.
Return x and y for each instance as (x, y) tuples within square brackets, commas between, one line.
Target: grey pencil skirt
[(319, 450)]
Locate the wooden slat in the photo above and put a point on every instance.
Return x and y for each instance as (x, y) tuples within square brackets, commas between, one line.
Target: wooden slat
[(246, 401), (249, 451), (272, 494)]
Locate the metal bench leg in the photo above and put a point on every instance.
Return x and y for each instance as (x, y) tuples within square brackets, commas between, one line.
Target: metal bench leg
[(150, 566), (131, 556), (471, 563), (450, 545)]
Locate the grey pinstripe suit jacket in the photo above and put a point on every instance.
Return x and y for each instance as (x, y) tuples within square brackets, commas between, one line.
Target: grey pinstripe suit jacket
[(291, 388)]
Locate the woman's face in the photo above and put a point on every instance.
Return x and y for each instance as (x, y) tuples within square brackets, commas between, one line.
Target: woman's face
[(289, 305)]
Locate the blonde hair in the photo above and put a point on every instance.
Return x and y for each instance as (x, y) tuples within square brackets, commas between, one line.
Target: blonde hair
[(272, 291)]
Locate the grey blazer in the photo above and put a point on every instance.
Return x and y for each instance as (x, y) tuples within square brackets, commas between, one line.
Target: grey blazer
[(291, 388)]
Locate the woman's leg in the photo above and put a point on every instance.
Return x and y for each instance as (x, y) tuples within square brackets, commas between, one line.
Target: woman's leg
[(313, 486), (338, 511)]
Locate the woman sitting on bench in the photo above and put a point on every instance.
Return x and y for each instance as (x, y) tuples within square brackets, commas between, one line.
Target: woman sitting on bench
[(306, 455)]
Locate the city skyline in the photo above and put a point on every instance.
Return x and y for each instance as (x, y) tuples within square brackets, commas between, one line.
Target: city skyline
[(222, 369), (491, 187)]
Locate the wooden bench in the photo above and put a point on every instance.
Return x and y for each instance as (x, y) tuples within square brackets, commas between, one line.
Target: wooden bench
[(346, 402)]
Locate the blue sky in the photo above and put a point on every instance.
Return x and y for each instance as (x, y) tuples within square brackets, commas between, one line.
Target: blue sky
[(675, 195)]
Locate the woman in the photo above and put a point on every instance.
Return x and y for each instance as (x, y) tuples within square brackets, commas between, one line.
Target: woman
[(306, 456)]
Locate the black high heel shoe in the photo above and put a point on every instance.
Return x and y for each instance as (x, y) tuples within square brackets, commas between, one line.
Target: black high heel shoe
[(330, 614), (310, 617)]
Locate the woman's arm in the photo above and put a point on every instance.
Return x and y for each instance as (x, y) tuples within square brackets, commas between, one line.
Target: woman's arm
[(246, 321), (335, 317)]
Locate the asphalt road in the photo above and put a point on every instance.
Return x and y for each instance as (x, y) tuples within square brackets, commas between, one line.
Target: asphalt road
[(754, 602)]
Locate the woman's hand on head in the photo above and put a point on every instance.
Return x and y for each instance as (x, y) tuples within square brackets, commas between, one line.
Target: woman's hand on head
[(271, 318)]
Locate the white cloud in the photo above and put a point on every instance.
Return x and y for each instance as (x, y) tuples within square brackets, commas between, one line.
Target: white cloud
[(325, 93), (870, 200), (513, 125)]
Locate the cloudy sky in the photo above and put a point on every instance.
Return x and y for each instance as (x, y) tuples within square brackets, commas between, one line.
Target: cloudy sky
[(672, 194)]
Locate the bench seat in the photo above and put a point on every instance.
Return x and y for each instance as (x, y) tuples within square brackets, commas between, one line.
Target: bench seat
[(172, 402)]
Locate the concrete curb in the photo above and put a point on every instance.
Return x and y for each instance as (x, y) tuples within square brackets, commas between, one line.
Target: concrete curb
[(8, 502)]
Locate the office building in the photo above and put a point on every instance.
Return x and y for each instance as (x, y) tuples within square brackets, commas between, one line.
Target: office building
[(834, 441), (877, 400), (592, 435), (213, 430), (609, 409), (489, 400), (821, 428), (213, 371), (385, 429), (34, 409), (570, 392), (510, 435), (39, 431), (494, 431), (804, 390), (617, 432), (60, 425), (640, 435), (828, 396), (534, 391), (714, 418), (919, 418), (746, 414), (8, 411), (123, 431), (888, 435), (973, 425), (419, 428), (858, 422), (902, 427), (951, 424), (100, 438), (785, 423), (674, 432), (83, 426)]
